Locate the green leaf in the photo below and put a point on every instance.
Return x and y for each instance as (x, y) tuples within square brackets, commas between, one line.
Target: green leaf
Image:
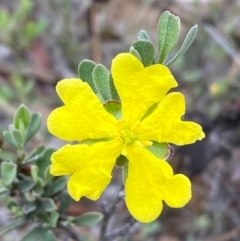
[(34, 173), (186, 44), (56, 186), (85, 70), (145, 49), (35, 155), (114, 108), (65, 202), (34, 126), (143, 35), (54, 216), (3, 189), (8, 172), (29, 207), (39, 234), (48, 177), (14, 224), (168, 34), (135, 53), (18, 137), (42, 215), (23, 115), (43, 162), (160, 150), (88, 219), (25, 185), (47, 204), (8, 137), (113, 91), (101, 81)]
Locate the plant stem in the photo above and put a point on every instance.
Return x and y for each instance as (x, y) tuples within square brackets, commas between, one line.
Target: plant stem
[(71, 232), (108, 213), (124, 231)]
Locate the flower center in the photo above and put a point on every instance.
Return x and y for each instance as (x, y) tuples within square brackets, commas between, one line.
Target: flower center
[(128, 136)]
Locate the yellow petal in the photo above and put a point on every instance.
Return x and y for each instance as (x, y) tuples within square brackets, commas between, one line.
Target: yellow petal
[(94, 174), (67, 159), (91, 169), (139, 87), (177, 191), (147, 177), (165, 124), (82, 116)]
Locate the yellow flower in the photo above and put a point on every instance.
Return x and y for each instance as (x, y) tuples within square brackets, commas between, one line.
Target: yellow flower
[(150, 180)]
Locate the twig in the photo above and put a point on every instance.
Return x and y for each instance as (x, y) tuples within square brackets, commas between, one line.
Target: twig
[(108, 212), (226, 236), (70, 231), (124, 231)]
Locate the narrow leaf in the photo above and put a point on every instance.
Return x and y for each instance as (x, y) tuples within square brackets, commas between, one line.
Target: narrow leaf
[(56, 186), (143, 35), (34, 126), (8, 172), (47, 204), (186, 44), (168, 34), (85, 70), (101, 81), (113, 91), (114, 108), (160, 150), (18, 137), (39, 234), (8, 137), (22, 114), (145, 49), (135, 53), (88, 219)]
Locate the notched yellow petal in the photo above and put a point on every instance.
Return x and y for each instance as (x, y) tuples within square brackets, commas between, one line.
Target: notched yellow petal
[(92, 173), (82, 117), (147, 176), (165, 124), (67, 159), (139, 87), (177, 192)]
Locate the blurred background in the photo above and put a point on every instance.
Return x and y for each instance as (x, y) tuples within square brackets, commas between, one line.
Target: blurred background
[(42, 42)]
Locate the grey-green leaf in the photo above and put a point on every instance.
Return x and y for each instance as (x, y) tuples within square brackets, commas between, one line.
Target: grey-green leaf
[(101, 81), (22, 114), (47, 204), (34, 126), (168, 34), (135, 53), (8, 172), (145, 49), (143, 35), (56, 186), (114, 108), (8, 137), (18, 137), (88, 219), (113, 91), (160, 150), (43, 161), (39, 234), (85, 70), (186, 44)]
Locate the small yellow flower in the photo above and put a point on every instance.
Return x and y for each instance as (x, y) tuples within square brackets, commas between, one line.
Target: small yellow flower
[(150, 180)]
